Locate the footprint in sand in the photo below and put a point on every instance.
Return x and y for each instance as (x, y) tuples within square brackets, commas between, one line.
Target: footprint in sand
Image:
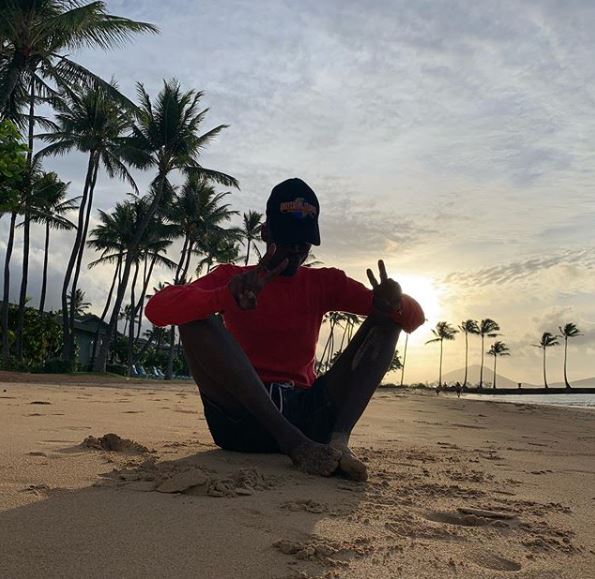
[(39, 402), (466, 517), (492, 561)]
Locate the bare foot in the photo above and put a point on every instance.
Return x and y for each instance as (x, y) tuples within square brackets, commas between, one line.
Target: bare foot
[(315, 458), (351, 466)]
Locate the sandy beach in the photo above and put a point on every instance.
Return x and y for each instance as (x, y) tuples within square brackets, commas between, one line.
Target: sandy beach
[(458, 488)]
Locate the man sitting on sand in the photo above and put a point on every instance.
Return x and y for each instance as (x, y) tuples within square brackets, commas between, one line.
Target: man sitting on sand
[(255, 370)]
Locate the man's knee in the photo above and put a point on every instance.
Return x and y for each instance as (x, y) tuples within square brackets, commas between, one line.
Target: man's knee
[(198, 329)]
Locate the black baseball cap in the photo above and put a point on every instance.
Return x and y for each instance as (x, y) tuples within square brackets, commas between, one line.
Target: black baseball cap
[(292, 213)]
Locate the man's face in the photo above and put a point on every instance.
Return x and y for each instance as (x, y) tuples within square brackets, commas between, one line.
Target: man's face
[(296, 254)]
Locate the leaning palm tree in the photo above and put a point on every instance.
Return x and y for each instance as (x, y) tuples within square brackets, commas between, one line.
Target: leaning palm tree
[(50, 207), (568, 331), (489, 328), (468, 327), (252, 222), (90, 121), (547, 341), (165, 136), (443, 331), (498, 348), (37, 38)]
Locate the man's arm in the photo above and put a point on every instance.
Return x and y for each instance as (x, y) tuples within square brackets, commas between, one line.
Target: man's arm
[(344, 294), (180, 304)]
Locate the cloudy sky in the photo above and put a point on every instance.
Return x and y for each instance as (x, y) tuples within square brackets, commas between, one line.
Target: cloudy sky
[(453, 139)]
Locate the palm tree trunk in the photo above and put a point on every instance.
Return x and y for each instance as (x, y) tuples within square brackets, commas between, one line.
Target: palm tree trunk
[(544, 372), (81, 250), (440, 371), (187, 264), (169, 371), (182, 259), (404, 359), (466, 358), (105, 309), (141, 303), (68, 350), (494, 382), (132, 250), (481, 367), (27, 227), (565, 359), (6, 297), (248, 251), (132, 317), (44, 277)]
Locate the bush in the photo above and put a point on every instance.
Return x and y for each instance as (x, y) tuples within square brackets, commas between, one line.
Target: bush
[(59, 366), (117, 369)]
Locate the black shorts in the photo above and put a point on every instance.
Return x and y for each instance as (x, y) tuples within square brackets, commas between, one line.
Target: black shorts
[(310, 410)]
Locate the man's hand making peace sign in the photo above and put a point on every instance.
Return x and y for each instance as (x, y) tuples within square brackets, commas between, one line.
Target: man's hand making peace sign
[(387, 293), (246, 286)]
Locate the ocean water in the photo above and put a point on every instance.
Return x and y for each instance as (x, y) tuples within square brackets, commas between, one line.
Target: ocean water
[(575, 400)]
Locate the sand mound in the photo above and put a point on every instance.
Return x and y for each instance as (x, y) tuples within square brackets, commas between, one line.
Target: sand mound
[(114, 443)]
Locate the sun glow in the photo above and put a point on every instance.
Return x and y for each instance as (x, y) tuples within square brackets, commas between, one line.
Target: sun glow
[(424, 290)]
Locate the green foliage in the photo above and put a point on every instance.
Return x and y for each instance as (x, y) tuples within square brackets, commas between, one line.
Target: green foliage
[(59, 366), (42, 339), (13, 165), (117, 369)]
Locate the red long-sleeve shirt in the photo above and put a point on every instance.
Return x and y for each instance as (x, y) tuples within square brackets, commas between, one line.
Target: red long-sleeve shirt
[(279, 336)]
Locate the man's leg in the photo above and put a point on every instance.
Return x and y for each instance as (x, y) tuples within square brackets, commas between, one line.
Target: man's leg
[(225, 376), (353, 379)]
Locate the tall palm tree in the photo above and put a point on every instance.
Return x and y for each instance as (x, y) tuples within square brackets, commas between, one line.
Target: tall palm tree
[(489, 328), (90, 121), (468, 327), (50, 207), (251, 224), (34, 67), (568, 331), (37, 38), (498, 348), (13, 167), (404, 359), (165, 136), (547, 341), (443, 331)]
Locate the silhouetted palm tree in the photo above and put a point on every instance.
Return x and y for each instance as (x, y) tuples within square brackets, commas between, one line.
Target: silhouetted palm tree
[(165, 136), (547, 341), (443, 331), (90, 121), (404, 358), (49, 208), (497, 349), (78, 303), (252, 222), (489, 328), (568, 331), (468, 327)]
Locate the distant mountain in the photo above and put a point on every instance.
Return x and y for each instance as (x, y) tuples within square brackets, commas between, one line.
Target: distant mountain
[(488, 378), (584, 383)]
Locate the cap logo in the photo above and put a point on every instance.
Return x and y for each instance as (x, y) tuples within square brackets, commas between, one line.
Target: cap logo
[(298, 208)]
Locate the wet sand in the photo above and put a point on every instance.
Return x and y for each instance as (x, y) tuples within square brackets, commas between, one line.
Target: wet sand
[(457, 488)]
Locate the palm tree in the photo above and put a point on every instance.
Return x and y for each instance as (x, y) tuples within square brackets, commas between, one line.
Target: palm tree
[(497, 349), (90, 121), (165, 136), (547, 341), (37, 38), (468, 327), (443, 331), (78, 303), (252, 222), (568, 331), (395, 363), (49, 208), (489, 328), (13, 167), (404, 359)]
